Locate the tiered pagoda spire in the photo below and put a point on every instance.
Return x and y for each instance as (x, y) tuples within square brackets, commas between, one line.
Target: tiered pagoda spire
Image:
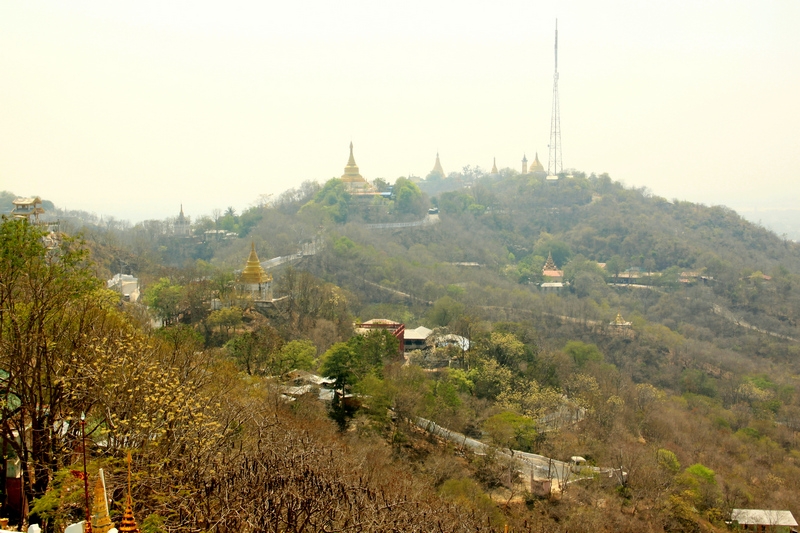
[(549, 264), (494, 165), (101, 520), (128, 524)]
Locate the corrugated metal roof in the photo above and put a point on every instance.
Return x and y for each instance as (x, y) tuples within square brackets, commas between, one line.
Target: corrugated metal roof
[(763, 517)]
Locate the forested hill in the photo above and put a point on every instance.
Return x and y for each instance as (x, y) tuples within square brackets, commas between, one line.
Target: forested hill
[(694, 395), (509, 225), (600, 218)]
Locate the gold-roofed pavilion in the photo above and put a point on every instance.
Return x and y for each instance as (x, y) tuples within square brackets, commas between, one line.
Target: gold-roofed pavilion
[(253, 272)]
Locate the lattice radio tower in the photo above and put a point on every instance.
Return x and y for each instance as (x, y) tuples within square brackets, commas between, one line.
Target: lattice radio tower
[(554, 164)]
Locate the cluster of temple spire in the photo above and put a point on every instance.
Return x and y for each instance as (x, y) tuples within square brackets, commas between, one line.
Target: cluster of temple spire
[(100, 517), (536, 166), (355, 182)]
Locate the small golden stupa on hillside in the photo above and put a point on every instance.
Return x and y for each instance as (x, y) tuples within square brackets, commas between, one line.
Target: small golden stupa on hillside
[(353, 181), (254, 279), (494, 165), (620, 322)]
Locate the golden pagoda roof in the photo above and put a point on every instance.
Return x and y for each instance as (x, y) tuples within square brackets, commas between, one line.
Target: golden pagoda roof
[(536, 165), (494, 165), (253, 271), (437, 167)]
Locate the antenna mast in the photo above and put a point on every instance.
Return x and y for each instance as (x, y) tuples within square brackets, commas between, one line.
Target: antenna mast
[(554, 164)]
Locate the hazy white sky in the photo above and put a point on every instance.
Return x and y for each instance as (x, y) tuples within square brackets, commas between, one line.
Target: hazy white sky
[(132, 108)]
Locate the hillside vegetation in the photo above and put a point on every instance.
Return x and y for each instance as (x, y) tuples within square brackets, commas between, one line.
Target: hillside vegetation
[(694, 405)]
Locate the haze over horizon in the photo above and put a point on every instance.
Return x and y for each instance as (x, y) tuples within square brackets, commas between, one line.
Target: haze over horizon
[(132, 109)]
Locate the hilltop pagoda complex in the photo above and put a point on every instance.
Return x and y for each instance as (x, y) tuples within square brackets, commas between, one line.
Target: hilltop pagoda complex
[(254, 280), (353, 181)]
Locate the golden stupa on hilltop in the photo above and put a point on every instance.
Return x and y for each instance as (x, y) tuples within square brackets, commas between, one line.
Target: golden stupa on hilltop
[(437, 167), (253, 272), (351, 178), (254, 279), (494, 165), (536, 165)]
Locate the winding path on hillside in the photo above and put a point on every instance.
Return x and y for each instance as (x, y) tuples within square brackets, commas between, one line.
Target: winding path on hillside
[(429, 219), (728, 315), (529, 464)]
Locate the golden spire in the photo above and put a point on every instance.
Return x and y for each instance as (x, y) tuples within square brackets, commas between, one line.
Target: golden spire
[(437, 167), (549, 264), (128, 524), (524, 164), (494, 165), (101, 520), (253, 272)]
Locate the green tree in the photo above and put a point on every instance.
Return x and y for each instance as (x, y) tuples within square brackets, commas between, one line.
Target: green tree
[(511, 430), (408, 198), (165, 299), (226, 318), (581, 353), (445, 311), (334, 200), (342, 363), (54, 314), (505, 348), (614, 266), (297, 354)]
